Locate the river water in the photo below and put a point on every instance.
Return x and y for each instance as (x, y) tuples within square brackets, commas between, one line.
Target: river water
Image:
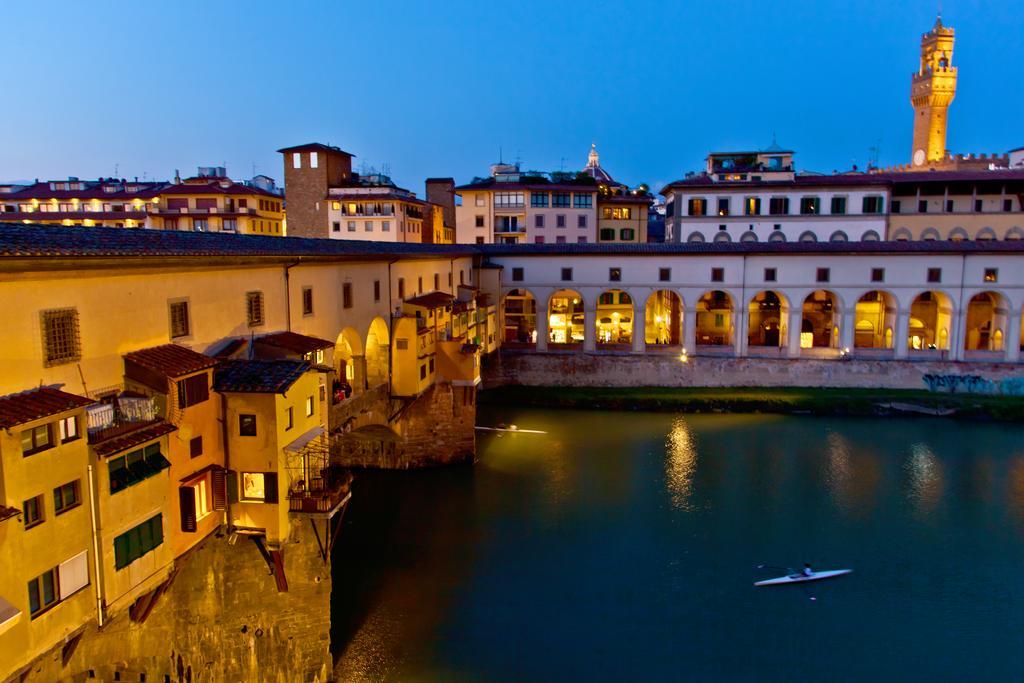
[(625, 545)]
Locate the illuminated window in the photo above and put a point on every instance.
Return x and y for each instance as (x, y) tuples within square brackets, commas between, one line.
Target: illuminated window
[(309, 407), (991, 275), (698, 207), (254, 486), (68, 429), (723, 206)]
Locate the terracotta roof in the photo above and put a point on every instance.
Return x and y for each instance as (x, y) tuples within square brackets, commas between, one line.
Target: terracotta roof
[(171, 360), (392, 196), (531, 182), (293, 341), (853, 179), (781, 248), (17, 239), (431, 300), (92, 189), (16, 409), (148, 432), (215, 187), (74, 215), (258, 376), (313, 147)]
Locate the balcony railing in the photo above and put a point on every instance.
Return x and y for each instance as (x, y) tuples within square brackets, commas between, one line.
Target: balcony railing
[(322, 494)]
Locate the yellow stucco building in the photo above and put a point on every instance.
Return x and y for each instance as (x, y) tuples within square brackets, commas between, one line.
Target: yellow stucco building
[(48, 570)]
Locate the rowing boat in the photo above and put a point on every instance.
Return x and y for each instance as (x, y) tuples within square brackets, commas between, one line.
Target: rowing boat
[(801, 578)]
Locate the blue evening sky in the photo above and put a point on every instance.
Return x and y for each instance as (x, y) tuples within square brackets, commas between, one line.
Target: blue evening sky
[(437, 88)]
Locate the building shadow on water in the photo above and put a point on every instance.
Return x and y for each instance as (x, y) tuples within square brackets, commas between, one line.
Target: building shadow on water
[(408, 542)]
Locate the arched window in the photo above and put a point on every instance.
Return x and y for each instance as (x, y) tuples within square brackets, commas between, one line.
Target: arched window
[(808, 236), (1015, 233), (695, 237), (839, 236), (930, 235), (748, 236), (870, 236), (958, 234), (777, 236), (986, 234), (722, 237), (902, 235)]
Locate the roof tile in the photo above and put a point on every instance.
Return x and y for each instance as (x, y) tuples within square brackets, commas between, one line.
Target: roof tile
[(16, 409)]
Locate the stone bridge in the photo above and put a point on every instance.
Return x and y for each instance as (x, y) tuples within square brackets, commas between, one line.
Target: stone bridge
[(375, 430)]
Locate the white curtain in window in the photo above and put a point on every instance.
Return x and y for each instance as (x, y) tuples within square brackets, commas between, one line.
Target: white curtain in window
[(74, 574)]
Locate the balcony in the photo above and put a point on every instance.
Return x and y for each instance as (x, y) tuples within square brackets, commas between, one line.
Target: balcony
[(321, 494)]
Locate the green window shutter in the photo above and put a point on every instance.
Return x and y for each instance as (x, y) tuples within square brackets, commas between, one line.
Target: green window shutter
[(218, 481), (270, 487), (187, 504), (232, 486), (157, 531), (121, 552)]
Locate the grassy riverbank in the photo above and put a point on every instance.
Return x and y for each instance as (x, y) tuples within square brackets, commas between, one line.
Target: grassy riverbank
[(787, 400)]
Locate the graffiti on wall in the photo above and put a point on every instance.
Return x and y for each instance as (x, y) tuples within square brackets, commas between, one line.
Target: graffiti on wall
[(974, 384)]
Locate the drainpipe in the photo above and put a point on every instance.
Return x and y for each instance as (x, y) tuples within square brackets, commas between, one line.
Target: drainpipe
[(390, 323), (94, 513), (225, 440), (288, 296)]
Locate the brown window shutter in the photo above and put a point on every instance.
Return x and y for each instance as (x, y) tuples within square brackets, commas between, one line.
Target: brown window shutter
[(232, 486), (270, 487), (219, 483), (187, 498)]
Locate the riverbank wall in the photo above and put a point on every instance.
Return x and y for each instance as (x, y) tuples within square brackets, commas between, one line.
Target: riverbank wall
[(580, 369), (221, 619)]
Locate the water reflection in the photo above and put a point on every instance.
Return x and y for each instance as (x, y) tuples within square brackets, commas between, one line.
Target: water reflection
[(926, 478), (680, 463)]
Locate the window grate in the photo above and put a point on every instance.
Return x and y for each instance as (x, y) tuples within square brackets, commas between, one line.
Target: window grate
[(254, 308), (61, 340)]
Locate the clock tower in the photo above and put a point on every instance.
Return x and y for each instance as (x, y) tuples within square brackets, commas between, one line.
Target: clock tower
[(932, 89)]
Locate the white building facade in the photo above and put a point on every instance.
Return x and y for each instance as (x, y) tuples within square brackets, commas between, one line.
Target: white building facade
[(837, 208), (904, 301)]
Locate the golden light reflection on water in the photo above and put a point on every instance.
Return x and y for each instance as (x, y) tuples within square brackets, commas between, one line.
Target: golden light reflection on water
[(926, 478), (839, 468), (680, 464)]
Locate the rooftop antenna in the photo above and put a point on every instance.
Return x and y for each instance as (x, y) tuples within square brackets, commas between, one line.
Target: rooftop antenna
[(116, 167), (501, 159), (873, 152), (561, 165)]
